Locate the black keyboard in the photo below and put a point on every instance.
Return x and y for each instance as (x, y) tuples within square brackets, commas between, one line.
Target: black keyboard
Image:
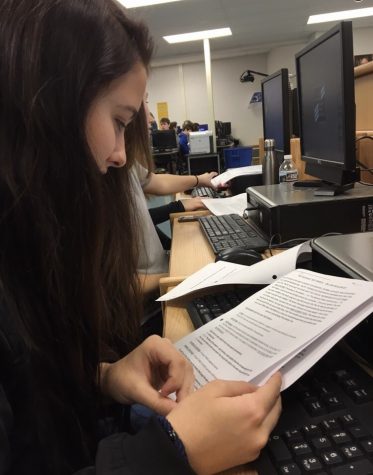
[(205, 192), (326, 426), (327, 423), (164, 150), (231, 230), (204, 309)]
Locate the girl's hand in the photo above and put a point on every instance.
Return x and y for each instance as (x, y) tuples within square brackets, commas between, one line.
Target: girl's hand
[(148, 375)]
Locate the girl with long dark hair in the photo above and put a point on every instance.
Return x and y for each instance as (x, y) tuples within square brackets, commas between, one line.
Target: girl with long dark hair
[(72, 81)]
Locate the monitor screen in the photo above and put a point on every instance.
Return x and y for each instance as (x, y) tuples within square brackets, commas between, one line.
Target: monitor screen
[(325, 79), (276, 115), (202, 163), (164, 139)]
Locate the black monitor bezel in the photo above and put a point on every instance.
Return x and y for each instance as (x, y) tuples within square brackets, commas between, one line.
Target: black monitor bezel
[(161, 132), (285, 97), (334, 172)]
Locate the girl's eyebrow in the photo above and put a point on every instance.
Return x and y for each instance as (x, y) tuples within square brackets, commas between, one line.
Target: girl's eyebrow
[(132, 110)]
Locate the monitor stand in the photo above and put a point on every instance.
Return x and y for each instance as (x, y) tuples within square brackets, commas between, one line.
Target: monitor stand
[(323, 187)]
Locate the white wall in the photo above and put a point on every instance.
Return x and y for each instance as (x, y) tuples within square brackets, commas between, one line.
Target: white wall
[(183, 87), (363, 41), (231, 97)]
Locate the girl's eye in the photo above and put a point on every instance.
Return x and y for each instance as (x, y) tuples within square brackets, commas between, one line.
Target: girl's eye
[(120, 124)]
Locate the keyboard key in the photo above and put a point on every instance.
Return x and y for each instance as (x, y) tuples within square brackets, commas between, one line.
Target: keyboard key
[(358, 432), (367, 445), (310, 465), (340, 437), (348, 420), (278, 449), (351, 452), (361, 395), (331, 457), (360, 467), (290, 469), (321, 443), (311, 430), (315, 408), (293, 435), (332, 402), (330, 425), (301, 448)]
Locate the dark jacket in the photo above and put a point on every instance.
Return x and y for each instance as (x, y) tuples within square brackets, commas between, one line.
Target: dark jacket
[(160, 214), (150, 451)]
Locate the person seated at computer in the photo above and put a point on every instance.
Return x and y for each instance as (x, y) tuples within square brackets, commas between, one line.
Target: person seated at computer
[(195, 127), (164, 123), (173, 126), (186, 128), (152, 122), (153, 259)]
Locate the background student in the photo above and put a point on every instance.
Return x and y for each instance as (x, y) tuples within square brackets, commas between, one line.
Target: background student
[(71, 116), (164, 123), (184, 137)]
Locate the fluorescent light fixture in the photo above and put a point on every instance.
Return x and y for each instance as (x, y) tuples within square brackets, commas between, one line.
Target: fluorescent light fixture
[(198, 35), (144, 3), (343, 15)]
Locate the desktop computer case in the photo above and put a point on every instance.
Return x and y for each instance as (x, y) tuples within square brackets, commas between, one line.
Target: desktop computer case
[(284, 212)]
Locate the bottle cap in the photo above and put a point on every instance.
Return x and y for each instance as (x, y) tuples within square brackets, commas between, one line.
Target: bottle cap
[(269, 144), (287, 157)]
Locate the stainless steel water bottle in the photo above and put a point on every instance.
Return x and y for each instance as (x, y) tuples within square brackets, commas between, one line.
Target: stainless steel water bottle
[(270, 165)]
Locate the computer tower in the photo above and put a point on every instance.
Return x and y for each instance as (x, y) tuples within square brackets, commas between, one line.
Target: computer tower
[(348, 255), (284, 212)]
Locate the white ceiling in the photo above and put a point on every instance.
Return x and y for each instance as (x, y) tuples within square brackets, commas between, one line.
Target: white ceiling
[(257, 25)]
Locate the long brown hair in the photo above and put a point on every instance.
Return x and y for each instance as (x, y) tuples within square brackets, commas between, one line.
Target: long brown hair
[(67, 253)]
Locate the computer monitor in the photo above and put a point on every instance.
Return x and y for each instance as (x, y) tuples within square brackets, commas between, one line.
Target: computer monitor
[(294, 113), (164, 140), (325, 79), (201, 163), (276, 111), (226, 129)]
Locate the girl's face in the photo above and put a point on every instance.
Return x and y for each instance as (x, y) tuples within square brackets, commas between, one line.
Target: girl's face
[(109, 115)]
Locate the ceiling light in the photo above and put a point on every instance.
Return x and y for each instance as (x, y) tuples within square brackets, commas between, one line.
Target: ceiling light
[(343, 15), (198, 35), (143, 3)]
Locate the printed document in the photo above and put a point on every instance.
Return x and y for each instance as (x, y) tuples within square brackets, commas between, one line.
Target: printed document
[(234, 204), (224, 178), (222, 273), (288, 325)]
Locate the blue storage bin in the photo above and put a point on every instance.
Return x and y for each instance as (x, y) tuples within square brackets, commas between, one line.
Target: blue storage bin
[(238, 157)]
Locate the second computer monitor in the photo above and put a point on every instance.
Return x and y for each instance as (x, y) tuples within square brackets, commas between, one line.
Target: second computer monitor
[(276, 111), (325, 75), (164, 140)]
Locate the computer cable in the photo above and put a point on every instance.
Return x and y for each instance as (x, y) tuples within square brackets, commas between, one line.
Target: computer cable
[(370, 137), (293, 242), (286, 244)]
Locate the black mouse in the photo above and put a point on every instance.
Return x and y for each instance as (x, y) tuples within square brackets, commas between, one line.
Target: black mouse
[(239, 255)]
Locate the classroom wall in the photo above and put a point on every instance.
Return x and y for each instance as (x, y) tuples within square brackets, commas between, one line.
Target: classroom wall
[(231, 97), (183, 86)]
